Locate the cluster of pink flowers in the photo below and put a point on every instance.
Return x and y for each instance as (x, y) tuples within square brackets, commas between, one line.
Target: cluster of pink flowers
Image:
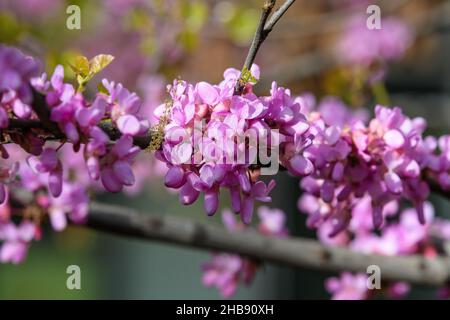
[(79, 121), (354, 172), (384, 160), (59, 175), (204, 138), (16, 240), (379, 164), (350, 286), (404, 235), (16, 70), (15, 91), (363, 46), (225, 271)]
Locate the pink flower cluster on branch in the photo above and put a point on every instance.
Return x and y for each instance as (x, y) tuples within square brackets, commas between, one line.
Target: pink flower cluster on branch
[(403, 235), (214, 139), (59, 174), (205, 143), (387, 159), (385, 162)]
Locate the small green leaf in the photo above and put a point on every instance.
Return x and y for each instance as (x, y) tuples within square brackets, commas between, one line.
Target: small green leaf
[(98, 63), (247, 77), (85, 69), (81, 66)]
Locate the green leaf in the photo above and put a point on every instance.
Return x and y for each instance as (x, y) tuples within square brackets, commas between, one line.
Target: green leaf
[(85, 69), (247, 77), (98, 63), (81, 66)]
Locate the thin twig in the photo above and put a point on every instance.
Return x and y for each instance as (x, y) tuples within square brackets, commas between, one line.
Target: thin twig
[(260, 34), (277, 16), (265, 26), (295, 252)]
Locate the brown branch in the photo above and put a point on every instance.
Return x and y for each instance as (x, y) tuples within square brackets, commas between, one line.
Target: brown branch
[(44, 123), (43, 112), (265, 26), (277, 16), (260, 34), (295, 252)]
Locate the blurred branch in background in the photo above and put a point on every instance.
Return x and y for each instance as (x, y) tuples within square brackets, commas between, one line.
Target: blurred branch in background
[(295, 252)]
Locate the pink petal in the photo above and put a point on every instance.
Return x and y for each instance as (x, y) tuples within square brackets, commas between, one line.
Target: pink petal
[(207, 175), (57, 77), (393, 182), (123, 172), (207, 93), (175, 177), (129, 124), (229, 220), (58, 219), (211, 202), (244, 181), (49, 159), (21, 110), (188, 194), (93, 167), (123, 146), (338, 171), (109, 180), (327, 191), (332, 134), (55, 182), (71, 132), (394, 139), (300, 165), (412, 170), (27, 231)]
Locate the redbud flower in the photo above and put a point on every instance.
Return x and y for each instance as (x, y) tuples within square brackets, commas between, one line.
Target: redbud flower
[(15, 91), (16, 241), (48, 162), (205, 149)]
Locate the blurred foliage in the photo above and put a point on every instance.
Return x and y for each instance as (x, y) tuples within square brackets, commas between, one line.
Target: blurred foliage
[(241, 24), (43, 274), (10, 27)]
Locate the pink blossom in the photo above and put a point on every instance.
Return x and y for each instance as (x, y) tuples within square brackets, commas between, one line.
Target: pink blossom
[(362, 45), (48, 162), (225, 116), (348, 287), (16, 241)]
